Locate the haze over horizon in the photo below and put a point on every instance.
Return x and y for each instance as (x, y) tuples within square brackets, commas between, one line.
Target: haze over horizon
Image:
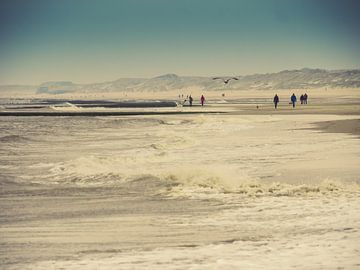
[(96, 41)]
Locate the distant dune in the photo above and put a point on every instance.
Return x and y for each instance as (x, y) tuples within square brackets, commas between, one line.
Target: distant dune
[(288, 79)]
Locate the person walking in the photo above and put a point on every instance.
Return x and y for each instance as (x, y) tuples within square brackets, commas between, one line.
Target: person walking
[(202, 100), (190, 100), (276, 100), (293, 100)]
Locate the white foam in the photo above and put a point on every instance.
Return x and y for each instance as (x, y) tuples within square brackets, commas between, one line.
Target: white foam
[(66, 106)]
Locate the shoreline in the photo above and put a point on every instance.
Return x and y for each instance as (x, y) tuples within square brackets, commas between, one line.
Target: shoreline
[(348, 126), (102, 113), (231, 109)]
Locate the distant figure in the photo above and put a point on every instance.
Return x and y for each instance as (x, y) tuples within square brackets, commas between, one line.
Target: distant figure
[(305, 98), (276, 100), (202, 99), (225, 80), (293, 100), (302, 99), (190, 100)]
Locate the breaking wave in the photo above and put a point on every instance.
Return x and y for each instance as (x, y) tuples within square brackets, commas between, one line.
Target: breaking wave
[(186, 182), (204, 186)]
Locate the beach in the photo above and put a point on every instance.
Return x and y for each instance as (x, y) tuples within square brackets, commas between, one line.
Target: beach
[(235, 184), (179, 135)]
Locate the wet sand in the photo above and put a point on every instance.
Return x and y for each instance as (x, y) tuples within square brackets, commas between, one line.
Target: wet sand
[(231, 107), (327, 108), (350, 126), (101, 113)]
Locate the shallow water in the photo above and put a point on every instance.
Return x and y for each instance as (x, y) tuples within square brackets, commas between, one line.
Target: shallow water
[(178, 192)]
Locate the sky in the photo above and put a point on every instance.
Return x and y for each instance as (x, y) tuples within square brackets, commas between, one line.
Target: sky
[(87, 41)]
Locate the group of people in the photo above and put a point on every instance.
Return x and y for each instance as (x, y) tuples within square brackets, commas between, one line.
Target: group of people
[(293, 99), (303, 98), (190, 98)]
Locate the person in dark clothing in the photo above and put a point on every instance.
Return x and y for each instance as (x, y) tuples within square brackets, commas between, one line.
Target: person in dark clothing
[(305, 98), (293, 100), (302, 99), (276, 100), (190, 100)]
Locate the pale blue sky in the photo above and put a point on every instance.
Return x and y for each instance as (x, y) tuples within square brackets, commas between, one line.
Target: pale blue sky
[(99, 40)]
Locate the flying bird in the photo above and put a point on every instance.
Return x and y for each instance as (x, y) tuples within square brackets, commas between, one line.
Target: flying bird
[(225, 80)]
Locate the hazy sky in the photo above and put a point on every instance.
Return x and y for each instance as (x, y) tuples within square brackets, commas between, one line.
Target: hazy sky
[(100, 40)]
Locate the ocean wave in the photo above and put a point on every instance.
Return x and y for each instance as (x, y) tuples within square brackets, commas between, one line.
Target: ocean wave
[(14, 138), (186, 181), (213, 186), (202, 188)]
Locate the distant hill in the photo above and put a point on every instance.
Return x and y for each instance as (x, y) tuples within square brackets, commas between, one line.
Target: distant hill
[(288, 79)]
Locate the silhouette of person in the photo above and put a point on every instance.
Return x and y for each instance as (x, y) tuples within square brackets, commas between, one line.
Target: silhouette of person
[(190, 100), (276, 100), (202, 99), (293, 100), (302, 99), (305, 98)]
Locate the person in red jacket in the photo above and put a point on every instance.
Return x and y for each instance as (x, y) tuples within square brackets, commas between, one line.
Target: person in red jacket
[(202, 99)]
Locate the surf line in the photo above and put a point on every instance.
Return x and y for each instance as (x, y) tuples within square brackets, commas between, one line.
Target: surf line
[(104, 113)]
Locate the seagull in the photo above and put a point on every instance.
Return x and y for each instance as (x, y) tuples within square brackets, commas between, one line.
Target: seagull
[(225, 80)]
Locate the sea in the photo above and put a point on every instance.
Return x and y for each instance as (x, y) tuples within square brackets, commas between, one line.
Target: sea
[(178, 191)]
